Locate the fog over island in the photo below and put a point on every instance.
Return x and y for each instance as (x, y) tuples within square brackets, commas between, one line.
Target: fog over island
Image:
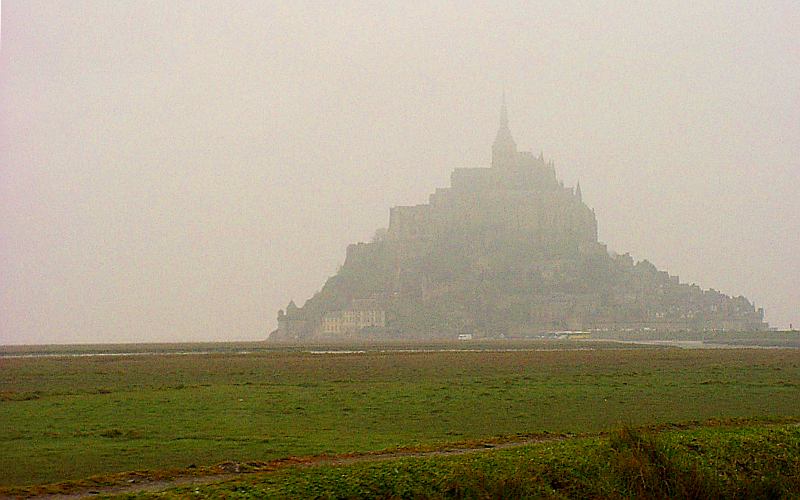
[(175, 171)]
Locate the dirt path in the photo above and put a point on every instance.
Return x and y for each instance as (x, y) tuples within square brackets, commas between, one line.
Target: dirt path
[(152, 486)]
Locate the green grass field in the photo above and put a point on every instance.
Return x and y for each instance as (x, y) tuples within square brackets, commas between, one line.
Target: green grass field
[(72, 417), (750, 461)]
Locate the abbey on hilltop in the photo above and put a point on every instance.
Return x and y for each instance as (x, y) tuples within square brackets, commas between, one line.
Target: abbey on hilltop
[(505, 251)]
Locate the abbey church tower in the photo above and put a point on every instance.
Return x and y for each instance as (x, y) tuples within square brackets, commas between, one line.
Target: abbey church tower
[(504, 149)]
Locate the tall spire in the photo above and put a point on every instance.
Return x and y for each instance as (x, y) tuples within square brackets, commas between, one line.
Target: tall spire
[(504, 149), (504, 112), (578, 191)]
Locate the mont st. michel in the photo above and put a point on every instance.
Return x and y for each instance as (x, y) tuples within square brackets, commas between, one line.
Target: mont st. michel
[(509, 251)]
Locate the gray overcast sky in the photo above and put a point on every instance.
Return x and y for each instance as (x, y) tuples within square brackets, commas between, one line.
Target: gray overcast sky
[(178, 170)]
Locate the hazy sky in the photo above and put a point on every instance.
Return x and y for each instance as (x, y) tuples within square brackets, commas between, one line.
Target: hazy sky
[(178, 170)]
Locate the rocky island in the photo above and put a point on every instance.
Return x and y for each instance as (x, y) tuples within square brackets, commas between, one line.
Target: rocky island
[(509, 251)]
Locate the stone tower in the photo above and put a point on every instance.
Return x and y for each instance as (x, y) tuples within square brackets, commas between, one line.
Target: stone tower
[(504, 149)]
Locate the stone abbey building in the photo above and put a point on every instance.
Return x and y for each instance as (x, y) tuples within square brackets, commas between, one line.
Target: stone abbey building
[(506, 250)]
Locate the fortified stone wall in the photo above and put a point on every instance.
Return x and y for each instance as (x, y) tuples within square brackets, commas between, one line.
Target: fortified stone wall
[(524, 203)]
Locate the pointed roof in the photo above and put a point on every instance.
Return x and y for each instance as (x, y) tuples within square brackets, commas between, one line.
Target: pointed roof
[(578, 191), (504, 149), (503, 112)]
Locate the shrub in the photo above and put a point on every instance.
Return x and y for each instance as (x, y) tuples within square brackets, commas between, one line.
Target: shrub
[(647, 468)]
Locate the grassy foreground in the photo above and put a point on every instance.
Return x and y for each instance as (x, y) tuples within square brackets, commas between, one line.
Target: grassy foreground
[(706, 463), (70, 418)]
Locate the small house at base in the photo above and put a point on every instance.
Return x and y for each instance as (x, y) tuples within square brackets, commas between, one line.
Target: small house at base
[(362, 314)]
